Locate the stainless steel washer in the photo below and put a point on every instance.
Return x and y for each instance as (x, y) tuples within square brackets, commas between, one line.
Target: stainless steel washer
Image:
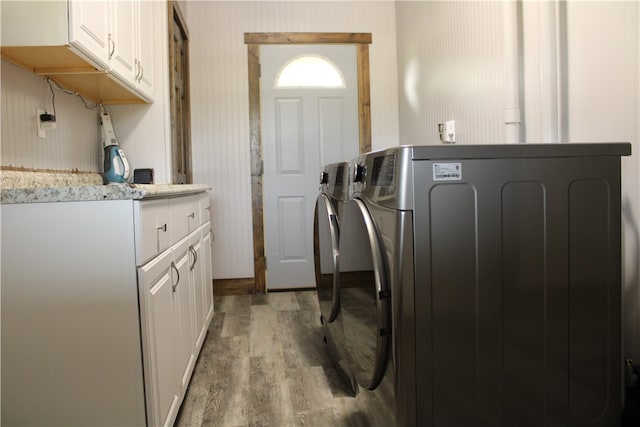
[(480, 284), (327, 219)]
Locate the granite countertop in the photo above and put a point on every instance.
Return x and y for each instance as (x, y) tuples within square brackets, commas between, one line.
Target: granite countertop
[(38, 187)]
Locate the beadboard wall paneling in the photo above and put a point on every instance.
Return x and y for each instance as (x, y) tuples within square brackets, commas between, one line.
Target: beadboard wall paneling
[(451, 67), (219, 99), (73, 144), (603, 97)]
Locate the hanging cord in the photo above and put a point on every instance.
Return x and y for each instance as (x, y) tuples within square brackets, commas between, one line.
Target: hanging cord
[(52, 83), (53, 97)]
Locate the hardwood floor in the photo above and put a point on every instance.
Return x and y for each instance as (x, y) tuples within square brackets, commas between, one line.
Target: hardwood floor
[(264, 363)]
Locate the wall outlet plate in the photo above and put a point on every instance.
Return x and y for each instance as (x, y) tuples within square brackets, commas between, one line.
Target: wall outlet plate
[(450, 131), (41, 132), (42, 125)]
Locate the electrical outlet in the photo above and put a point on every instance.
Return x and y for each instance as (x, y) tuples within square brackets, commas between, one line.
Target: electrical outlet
[(43, 125), (450, 131)]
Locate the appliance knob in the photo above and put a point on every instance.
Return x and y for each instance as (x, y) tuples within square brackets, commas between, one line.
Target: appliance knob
[(324, 178), (359, 173)]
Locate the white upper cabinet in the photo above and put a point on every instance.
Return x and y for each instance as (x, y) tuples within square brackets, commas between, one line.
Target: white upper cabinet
[(119, 35), (101, 49)]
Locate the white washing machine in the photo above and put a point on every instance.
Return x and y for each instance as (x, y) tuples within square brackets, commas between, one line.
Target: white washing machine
[(480, 284), (328, 213)]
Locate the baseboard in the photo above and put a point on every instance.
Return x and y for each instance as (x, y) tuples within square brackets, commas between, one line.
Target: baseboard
[(245, 286)]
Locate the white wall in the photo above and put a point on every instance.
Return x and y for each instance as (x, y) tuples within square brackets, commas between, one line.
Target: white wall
[(580, 72), (74, 144), (219, 99), (450, 65)]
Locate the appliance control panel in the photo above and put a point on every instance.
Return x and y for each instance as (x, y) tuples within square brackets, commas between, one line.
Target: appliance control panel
[(383, 169)]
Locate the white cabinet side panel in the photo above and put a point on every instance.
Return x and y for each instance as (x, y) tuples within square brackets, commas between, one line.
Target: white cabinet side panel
[(70, 328), (39, 20)]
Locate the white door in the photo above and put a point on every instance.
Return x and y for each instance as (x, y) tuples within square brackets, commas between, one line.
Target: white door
[(303, 128)]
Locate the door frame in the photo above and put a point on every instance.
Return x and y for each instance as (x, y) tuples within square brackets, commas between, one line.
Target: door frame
[(253, 42)]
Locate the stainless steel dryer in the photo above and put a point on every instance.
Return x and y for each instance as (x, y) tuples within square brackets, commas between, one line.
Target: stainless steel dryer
[(480, 284), (327, 219), (368, 248)]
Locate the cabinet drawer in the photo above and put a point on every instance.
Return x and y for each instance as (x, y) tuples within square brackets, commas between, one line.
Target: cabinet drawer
[(155, 228), (185, 216), (205, 208)]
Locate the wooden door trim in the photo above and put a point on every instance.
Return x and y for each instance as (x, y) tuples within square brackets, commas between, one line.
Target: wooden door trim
[(307, 38), (181, 151), (253, 42)]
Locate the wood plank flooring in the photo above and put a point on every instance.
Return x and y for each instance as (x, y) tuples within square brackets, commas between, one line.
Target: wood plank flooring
[(264, 363)]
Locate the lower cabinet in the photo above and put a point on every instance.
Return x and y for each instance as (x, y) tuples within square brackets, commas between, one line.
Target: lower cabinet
[(176, 303), (108, 279)]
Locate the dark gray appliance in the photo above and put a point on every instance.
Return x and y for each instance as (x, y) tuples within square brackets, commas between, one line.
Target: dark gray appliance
[(489, 286), (328, 213)]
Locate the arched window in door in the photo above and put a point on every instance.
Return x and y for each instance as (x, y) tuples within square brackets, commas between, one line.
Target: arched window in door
[(309, 71)]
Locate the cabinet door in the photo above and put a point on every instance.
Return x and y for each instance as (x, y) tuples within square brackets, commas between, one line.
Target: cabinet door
[(156, 280), (182, 296), (89, 28), (145, 46), (123, 38), (197, 281), (207, 272)]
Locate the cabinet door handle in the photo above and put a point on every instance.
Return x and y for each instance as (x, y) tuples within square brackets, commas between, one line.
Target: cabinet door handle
[(163, 227), (174, 286), (213, 236), (137, 65), (113, 46), (192, 215), (195, 257), (141, 71)]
